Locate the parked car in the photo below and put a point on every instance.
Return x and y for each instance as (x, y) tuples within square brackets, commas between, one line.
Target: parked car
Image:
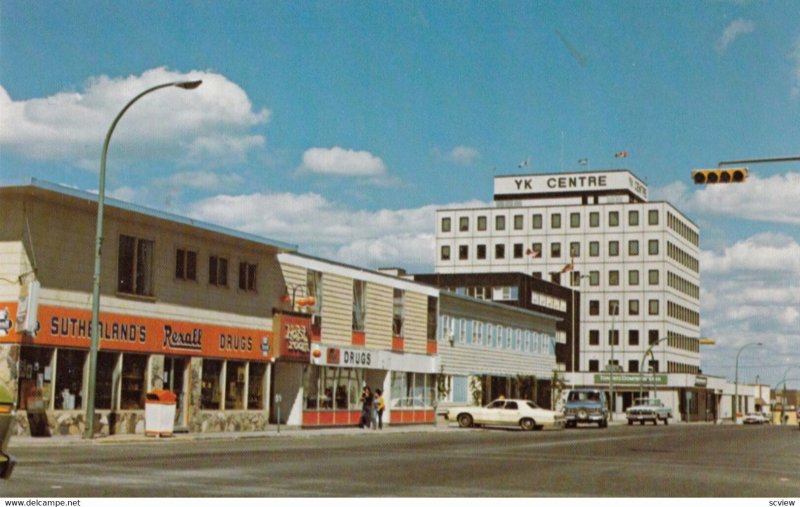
[(523, 413), (647, 409), (586, 406), (755, 418)]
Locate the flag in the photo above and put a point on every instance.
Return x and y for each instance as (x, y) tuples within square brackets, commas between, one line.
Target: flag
[(621, 154), (583, 161), (567, 268), (533, 253), (522, 164)]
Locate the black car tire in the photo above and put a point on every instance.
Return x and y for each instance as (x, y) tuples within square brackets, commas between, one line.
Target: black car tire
[(464, 420)]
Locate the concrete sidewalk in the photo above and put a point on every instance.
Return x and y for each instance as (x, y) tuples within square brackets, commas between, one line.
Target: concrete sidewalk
[(271, 432)]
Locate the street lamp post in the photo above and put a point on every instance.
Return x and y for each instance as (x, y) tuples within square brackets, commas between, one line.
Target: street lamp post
[(641, 366), (784, 399), (95, 342), (736, 380), (612, 365)]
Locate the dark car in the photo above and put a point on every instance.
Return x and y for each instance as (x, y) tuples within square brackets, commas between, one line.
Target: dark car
[(586, 406)]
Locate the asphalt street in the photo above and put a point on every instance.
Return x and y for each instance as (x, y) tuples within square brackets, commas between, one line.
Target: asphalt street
[(620, 461)]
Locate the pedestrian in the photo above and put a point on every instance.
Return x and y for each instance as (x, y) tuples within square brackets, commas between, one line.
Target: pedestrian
[(380, 405), (366, 407)]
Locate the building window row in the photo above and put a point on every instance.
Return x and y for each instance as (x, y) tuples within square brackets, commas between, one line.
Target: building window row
[(536, 250), (633, 365), (683, 342), (677, 254), (683, 314), (494, 336), (677, 225), (673, 367), (538, 220), (683, 285)]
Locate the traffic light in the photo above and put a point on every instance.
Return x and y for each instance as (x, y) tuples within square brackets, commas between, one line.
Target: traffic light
[(720, 175)]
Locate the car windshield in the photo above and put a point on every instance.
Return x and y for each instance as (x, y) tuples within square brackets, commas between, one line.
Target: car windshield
[(584, 396)]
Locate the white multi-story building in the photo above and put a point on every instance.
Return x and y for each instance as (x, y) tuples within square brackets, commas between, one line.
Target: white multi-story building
[(635, 263)]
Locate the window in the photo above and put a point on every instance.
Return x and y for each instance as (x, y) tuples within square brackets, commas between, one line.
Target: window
[(500, 251), (594, 307), (518, 250), (463, 224), (134, 367), (433, 311), (463, 252), (135, 266), (481, 251), (613, 337), (633, 366), (517, 222), (481, 223), (594, 278), (247, 276), (633, 247), (613, 307), (536, 250), (314, 289), (633, 307), (633, 277), (594, 219), (574, 220), (652, 217), (652, 247), (613, 248), (653, 306), (106, 364), (555, 221), (69, 379), (445, 252), (398, 311), (218, 271), (613, 218), (500, 223), (185, 264), (575, 249), (594, 249), (446, 224), (633, 217), (652, 276), (633, 337), (359, 304), (505, 293), (594, 365), (235, 376), (594, 337), (555, 250), (211, 384), (613, 277), (255, 384), (536, 221)]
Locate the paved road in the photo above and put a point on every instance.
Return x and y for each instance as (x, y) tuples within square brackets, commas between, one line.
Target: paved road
[(621, 461)]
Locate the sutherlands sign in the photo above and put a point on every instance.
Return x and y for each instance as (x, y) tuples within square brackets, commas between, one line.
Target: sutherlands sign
[(68, 327), (569, 183)]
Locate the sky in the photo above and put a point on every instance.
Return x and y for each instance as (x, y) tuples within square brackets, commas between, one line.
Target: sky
[(342, 126)]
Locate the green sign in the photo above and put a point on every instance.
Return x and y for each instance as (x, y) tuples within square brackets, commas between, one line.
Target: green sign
[(631, 378)]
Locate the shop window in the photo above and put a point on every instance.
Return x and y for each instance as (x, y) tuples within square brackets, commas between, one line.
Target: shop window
[(210, 387), (311, 387), (69, 379), (247, 276), (398, 312), (412, 390), (359, 304), (104, 375), (255, 386), (218, 271), (134, 368), (135, 266), (185, 264), (333, 388), (35, 376), (235, 376)]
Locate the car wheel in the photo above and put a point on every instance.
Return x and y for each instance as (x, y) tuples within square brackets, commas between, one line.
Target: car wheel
[(464, 420), (527, 424)]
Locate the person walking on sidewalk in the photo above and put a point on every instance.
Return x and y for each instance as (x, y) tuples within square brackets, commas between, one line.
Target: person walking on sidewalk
[(367, 399), (380, 406)]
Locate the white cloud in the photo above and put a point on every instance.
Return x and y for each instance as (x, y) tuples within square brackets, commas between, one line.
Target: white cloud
[(214, 120), (462, 155), (734, 31), (338, 161), (767, 252), (403, 237)]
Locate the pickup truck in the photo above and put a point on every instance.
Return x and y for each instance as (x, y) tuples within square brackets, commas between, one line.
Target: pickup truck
[(647, 409)]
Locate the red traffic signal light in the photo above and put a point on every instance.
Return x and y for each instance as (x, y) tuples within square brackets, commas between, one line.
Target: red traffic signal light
[(727, 175)]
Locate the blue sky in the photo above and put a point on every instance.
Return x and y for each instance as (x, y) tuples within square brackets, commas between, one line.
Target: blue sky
[(342, 126)]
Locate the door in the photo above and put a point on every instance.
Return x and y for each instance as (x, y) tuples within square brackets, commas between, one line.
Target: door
[(510, 413), (175, 381)]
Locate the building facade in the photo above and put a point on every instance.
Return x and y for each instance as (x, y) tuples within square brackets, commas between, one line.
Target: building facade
[(185, 306), (635, 263)]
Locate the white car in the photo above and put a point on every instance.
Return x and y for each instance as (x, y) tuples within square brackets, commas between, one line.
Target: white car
[(755, 418), (523, 413)]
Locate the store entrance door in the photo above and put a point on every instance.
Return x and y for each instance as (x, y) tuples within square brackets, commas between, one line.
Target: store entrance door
[(175, 380)]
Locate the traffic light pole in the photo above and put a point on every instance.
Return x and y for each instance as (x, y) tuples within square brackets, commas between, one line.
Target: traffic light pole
[(759, 161)]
